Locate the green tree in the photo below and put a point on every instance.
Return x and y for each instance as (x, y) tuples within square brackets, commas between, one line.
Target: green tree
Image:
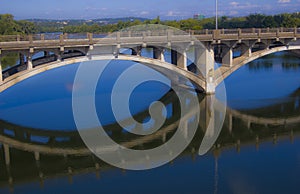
[(7, 24), (255, 20), (26, 27)]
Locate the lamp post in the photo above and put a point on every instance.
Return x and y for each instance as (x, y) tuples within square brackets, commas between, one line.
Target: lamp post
[(216, 14)]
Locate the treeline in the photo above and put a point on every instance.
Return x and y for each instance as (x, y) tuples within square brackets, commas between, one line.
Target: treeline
[(9, 26), (285, 20)]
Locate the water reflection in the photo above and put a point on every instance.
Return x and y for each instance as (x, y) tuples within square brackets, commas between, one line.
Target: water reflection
[(257, 149), (40, 156)]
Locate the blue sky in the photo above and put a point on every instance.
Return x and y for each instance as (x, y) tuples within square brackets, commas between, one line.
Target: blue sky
[(166, 9)]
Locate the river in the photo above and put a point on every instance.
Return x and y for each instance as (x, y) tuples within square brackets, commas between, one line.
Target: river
[(255, 152)]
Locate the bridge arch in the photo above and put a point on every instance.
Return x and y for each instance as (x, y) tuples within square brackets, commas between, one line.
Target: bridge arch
[(241, 47), (241, 61), (163, 67), (259, 45)]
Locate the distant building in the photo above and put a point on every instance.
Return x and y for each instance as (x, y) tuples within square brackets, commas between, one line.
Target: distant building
[(198, 17)]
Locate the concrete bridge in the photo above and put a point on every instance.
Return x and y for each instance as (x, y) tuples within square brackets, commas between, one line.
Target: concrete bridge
[(65, 49)]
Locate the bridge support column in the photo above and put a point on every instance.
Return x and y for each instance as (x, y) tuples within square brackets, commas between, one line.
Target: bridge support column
[(6, 154), (29, 62), (228, 57), (246, 51), (158, 53), (204, 60), (46, 54), (136, 51), (249, 124), (37, 156), (230, 123), (21, 57), (182, 60), (59, 57), (173, 57)]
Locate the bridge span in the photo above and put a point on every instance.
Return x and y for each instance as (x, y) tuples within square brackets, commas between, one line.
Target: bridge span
[(216, 45)]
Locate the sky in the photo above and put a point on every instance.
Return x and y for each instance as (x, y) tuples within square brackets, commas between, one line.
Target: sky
[(166, 9)]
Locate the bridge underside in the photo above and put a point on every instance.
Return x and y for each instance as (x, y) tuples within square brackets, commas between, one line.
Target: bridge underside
[(174, 73)]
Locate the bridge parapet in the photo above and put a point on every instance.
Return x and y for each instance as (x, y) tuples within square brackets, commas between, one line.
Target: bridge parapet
[(205, 35)]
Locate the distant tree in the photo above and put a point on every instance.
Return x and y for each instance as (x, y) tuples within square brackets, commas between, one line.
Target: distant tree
[(288, 21), (26, 27), (156, 20), (172, 23), (7, 24), (255, 20), (269, 22)]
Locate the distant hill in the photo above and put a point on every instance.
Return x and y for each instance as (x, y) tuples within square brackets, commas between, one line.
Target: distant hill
[(75, 22)]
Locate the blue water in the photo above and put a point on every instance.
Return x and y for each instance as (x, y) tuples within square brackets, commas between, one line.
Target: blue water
[(52, 90), (272, 168), (248, 88)]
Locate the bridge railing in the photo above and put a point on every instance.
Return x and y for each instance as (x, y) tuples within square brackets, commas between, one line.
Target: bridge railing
[(13, 38), (201, 34)]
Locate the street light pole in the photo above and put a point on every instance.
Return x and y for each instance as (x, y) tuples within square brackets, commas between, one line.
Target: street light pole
[(216, 14)]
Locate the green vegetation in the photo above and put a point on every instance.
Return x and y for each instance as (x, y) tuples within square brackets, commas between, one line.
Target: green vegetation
[(9, 60), (285, 20), (9, 26)]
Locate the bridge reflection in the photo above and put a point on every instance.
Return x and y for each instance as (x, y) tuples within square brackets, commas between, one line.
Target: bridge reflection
[(29, 154)]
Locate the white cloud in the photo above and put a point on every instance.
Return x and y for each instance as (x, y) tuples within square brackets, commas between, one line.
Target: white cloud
[(170, 13), (173, 13), (144, 12), (284, 1), (234, 3)]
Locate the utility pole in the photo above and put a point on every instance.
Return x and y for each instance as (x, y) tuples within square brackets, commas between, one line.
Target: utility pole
[(216, 14)]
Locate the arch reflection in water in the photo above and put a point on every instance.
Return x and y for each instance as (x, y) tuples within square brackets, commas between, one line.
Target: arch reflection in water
[(85, 115), (32, 154)]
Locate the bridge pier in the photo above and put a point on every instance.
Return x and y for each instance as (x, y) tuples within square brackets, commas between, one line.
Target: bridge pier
[(227, 59), (158, 53), (204, 60), (173, 57), (37, 156), (6, 154), (179, 58), (246, 51), (46, 53), (59, 57), (21, 57), (230, 123), (182, 60), (29, 62), (246, 48), (136, 51), (249, 124)]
